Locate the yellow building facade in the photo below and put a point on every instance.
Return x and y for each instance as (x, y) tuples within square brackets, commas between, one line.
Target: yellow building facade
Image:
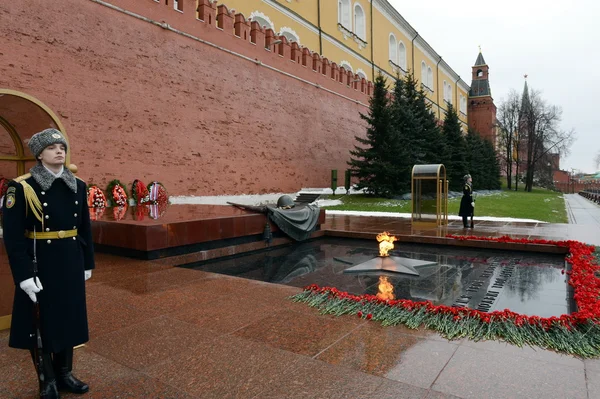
[(365, 36)]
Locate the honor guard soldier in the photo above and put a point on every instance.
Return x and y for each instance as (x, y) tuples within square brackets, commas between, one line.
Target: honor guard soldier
[(467, 202), (50, 250)]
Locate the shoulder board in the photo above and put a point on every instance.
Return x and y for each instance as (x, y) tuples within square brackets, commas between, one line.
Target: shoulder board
[(22, 177), (79, 178)]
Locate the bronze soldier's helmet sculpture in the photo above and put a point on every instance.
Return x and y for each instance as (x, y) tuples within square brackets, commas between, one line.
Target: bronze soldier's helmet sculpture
[(285, 202)]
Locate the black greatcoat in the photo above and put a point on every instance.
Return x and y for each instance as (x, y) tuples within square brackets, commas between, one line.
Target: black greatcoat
[(61, 262), (466, 209)]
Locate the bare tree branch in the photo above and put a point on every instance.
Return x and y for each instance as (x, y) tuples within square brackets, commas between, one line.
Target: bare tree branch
[(508, 128), (541, 123)]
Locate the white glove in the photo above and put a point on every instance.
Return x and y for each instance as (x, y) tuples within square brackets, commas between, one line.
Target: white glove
[(31, 287), (473, 204), (87, 274)]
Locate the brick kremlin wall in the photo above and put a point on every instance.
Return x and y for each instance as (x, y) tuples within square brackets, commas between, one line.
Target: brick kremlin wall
[(139, 98)]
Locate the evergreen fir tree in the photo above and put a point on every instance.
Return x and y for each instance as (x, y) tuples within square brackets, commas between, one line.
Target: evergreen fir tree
[(427, 134), (373, 161), (456, 162), (412, 132), (493, 166), (476, 160), (483, 162), (405, 125)]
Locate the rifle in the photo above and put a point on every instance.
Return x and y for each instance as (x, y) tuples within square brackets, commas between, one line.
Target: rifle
[(473, 197), (254, 208), (38, 357)]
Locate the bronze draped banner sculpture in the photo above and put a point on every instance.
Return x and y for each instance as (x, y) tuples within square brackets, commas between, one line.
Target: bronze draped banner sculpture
[(296, 221)]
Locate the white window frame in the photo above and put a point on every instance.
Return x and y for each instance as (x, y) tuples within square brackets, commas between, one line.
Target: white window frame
[(429, 78), (401, 55), (346, 65), (360, 31), (345, 20), (361, 73), (392, 48), (463, 104), (260, 17), (289, 34), (424, 73), (445, 91)]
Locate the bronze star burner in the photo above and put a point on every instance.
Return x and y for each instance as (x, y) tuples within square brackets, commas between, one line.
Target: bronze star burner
[(392, 264), (387, 263)]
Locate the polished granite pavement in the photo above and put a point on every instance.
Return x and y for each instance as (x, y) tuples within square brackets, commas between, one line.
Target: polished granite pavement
[(164, 332), (158, 331)]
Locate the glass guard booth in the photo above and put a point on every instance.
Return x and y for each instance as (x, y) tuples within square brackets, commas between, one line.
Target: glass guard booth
[(429, 194)]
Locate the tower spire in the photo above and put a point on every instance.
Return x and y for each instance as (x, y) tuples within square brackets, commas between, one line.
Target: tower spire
[(481, 108), (480, 61)]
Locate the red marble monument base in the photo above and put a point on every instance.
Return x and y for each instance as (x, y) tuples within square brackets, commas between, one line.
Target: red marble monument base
[(190, 233), (183, 230)]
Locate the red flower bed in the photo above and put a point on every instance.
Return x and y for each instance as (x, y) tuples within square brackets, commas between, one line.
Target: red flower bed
[(582, 277), (576, 333)]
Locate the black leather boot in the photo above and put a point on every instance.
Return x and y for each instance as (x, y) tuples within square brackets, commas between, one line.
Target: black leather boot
[(65, 381), (49, 390), (46, 377)]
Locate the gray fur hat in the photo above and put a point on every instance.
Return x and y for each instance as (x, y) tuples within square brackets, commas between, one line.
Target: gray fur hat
[(466, 177), (43, 139)]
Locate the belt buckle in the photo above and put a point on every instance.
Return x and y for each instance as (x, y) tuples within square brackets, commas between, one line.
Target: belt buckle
[(61, 234)]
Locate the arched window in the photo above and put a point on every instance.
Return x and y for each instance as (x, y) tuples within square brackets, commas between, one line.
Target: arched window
[(361, 73), (449, 93), (344, 14), (479, 73), (360, 26), (289, 34), (402, 55), (445, 91), (430, 77), (423, 73), (463, 104), (393, 54), (346, 65), (262, 19)]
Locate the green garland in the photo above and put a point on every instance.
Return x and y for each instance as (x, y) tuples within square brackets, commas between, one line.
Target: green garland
[(573, 334), (581, 340)]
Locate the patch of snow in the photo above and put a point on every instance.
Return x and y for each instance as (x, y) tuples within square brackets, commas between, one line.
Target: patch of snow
[(408, 216)]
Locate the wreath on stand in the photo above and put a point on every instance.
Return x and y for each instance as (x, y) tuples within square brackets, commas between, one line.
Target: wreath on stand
[(139, 192), (157, 193), (95, 197), (158, 199), (118, 194)]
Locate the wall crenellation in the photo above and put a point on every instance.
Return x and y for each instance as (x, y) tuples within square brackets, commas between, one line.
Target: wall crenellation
[(217, 24), (204, 104)]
